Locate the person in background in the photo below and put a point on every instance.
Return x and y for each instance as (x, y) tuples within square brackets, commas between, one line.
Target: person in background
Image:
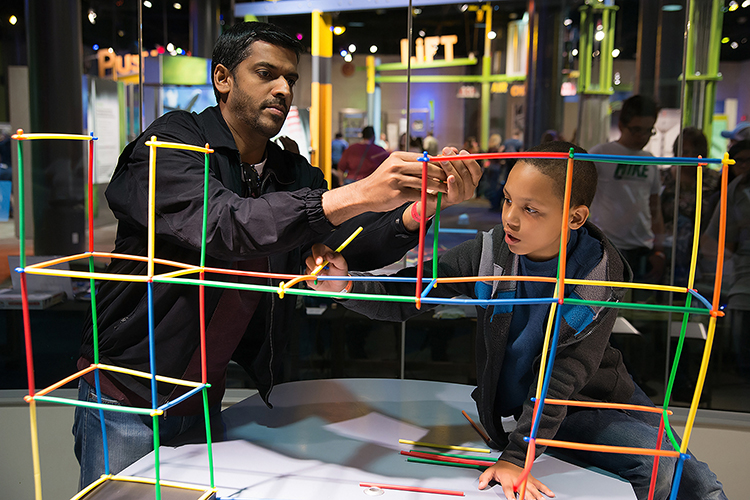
[(471, 145), (267, 207), (627, 209), (694, 144), (338, 145), (383, 142), (626, 206), (495, 174), (512, 145), (740, 133), (736, 256), (361, 159), (431, 144)]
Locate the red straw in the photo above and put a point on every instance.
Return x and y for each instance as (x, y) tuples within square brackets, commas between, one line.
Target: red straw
[(412, 488)]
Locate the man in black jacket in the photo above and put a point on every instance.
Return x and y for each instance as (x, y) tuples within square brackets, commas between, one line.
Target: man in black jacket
[(266, 207)]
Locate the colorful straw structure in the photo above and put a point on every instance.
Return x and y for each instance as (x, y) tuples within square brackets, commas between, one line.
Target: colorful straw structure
[(185, 274)]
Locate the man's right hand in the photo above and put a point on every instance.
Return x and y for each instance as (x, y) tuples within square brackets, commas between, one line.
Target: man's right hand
[(396, 181)]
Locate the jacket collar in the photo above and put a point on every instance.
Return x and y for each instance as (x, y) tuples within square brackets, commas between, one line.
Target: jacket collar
[(219, 136)]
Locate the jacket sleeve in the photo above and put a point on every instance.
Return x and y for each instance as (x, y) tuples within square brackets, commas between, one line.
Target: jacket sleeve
[(461, 260), (236, 226)]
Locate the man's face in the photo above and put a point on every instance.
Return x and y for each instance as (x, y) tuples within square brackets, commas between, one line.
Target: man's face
[(532, 213), (637, 132), (263, 88)]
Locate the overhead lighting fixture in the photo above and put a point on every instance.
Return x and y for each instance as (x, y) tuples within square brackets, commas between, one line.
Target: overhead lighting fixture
[(615, 52), (491, 35), (733, 5), (567, 22), (170, 47), (352, 48), (672, 7), (338, 30), (746, 4), (147, 4), (95, 46), (177, 5), (599, 36), (343, 53), (725, 39), (574, 52), (13, 20), (348, 58), (422, 33), (373, 49), (734, 45), (464, 7), (92, 16)]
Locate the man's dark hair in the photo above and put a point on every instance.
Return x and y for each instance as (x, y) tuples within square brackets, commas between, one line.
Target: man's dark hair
[(339, 135), (584, 171), (368, 132), (233, 45), (638, 105)]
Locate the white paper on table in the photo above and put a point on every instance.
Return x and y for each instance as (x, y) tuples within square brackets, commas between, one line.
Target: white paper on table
[(378, 429)]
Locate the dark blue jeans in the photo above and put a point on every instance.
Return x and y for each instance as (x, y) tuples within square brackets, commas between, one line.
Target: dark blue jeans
[(636, 429), (129, 436)]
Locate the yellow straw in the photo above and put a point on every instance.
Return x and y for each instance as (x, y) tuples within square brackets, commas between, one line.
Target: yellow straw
[(444, 446), (339, 249), (699, 384), (177, 145), (35, 451)]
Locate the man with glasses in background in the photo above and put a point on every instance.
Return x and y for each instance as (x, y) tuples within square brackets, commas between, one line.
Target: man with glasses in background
[(627, 209), (626, 205)]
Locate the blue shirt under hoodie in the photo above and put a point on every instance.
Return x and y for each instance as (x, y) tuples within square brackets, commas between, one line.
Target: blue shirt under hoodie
[(528, 323)]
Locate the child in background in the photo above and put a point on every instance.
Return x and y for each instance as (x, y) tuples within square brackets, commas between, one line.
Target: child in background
[(510, 337)]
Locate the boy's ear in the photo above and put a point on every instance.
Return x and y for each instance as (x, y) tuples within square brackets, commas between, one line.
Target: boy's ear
[(223, 79), (578, 216)]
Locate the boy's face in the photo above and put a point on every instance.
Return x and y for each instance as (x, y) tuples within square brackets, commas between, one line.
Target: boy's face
[(532, 213)]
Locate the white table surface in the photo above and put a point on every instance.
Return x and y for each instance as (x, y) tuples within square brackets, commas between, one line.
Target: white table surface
[(324, 437)]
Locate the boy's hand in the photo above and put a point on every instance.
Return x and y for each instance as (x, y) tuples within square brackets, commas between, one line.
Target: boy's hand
[(336, 266), (506, 474)]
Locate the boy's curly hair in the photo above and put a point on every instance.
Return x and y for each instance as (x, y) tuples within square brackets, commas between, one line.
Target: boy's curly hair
[(584, 171)]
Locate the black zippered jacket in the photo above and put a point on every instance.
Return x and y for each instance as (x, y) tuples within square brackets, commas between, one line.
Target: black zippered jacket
[(280, 225)]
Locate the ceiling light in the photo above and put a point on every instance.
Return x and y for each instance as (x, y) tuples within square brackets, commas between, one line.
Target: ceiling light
[(672, 7), (348, 58), (464, 7), (170, 47), (567, 22), (491, 35), (734, 45), (352, 48), (746, 4), (177, 5), (574, 52), (725, 39), (13, 20), (147, 4), (374, 48), (343, 53), (338, 30), (733, 5), (615, 52), (599, 36), (422, 33), (92, 16)]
